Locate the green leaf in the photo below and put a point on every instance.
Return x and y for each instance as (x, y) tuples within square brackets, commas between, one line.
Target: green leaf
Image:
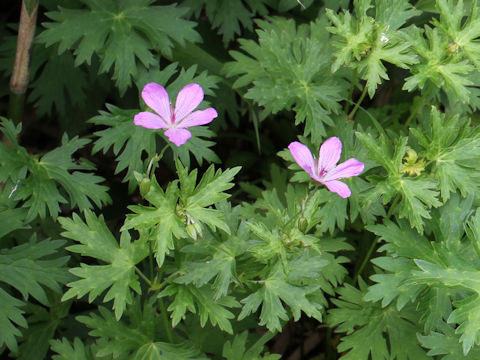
[(201, 300), (177, 208), (286, 70), (237, 349), (447, 343), (373, 331), (165, 351), (229, 16), (364, 43), (158, 223), (445, 72), (454, 149), (416, 195), (270, 295), (10, 316), (66, 351), (124, 337), (50, 178), (66, 89), (96, 241), (119, 34), (462, 33), (29, 268), (128, 142), (42, 324)]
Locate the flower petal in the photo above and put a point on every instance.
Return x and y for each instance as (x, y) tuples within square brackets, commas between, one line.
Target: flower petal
[(339, 188), (187, 100), (330, 152), (351, 167), (302, 156), (178, 136), (149, 120), (197, 118), (156, 97)]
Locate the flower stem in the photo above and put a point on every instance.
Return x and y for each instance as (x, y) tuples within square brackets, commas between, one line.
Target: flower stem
[(350, 91), (154, 160), (357, 105), (19, 78)]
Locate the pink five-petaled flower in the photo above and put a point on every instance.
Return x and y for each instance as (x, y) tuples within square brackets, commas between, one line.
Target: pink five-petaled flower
[(325, 170), (176, 119)]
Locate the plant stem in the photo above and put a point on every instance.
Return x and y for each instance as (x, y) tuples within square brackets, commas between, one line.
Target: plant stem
[(165, 321), (141, 274), (357, 105), (19, 78), (350, 92), (365, 261), (154, 160), (419, 105)]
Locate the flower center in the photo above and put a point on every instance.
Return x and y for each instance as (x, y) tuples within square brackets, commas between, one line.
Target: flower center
[(322, 173), (172, 111)]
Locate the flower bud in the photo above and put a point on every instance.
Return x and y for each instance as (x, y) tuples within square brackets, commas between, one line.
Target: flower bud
[(144, 186), (302, 224)]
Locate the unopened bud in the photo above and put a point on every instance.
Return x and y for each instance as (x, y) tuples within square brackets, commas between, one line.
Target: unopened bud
[(302, 224), (144, 186)]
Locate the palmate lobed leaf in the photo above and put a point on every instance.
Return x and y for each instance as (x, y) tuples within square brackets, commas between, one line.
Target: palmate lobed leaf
[(417, 194), (365, 43), (229, 16), (286, 70), (453, 147), (119, 33), (462, 33), (11, 316), (66, 351), (200, 301), (183, 204), (30, 268), (43, 183), (452, 74), (276, 289), (368, 326), (96, 241)]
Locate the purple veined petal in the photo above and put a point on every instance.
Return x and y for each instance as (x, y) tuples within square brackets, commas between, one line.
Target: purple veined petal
[(156, 97), (351, 167), (329, 155), (178, 136), (339, 188), (187, 100), (302, 156), (197, 118), (149, 120)]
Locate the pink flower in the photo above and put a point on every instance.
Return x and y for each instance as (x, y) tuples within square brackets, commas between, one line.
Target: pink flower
[(325, 170), (176, 119)]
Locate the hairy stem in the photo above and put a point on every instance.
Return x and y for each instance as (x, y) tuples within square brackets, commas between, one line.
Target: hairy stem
[(20, 74)]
